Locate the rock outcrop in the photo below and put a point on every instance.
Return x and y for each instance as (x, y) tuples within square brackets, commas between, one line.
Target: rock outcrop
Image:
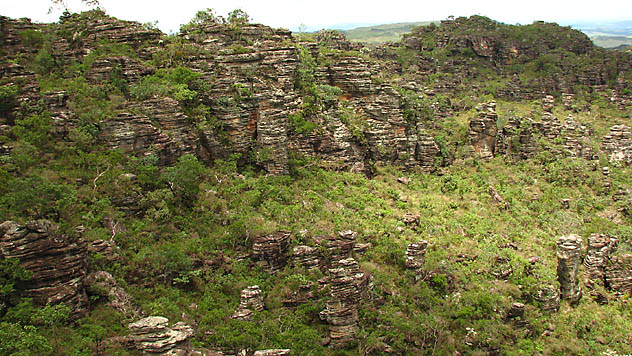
[(347, 287), (339, 246), (57, 262), (568, 254), (273, 352), (306, 257), (102, 283), (415, 257), (618, 144), (153, 336), (600, 248), (618, 273), (273, 249), (548, 298), (483, 130), (251, 301)]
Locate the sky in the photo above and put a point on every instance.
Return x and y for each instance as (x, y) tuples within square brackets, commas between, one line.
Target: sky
[(334, 13)]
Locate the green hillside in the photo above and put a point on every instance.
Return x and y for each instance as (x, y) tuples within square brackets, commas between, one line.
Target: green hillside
[(382, 33), (235, 189)]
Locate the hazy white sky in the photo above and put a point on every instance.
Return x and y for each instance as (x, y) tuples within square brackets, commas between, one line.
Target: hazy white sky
[(322, 13)]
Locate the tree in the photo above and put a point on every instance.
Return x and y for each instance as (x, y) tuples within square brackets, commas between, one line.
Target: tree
[(62, 4), (238, 17)]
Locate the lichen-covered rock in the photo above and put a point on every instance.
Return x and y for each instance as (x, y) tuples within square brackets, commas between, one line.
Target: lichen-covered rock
[(347, 287), (483, 130), (251, 301), (339, 246), (273, 352), (568, 254), (306, 257), (273, 249), (618, 273), (102, 283), (548, 297), (57, 262), (152, 335), (598, 252), (415, 257), (411, 219), (618, 144)]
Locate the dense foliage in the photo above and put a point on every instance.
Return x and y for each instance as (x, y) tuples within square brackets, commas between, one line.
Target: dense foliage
[(183, 247)]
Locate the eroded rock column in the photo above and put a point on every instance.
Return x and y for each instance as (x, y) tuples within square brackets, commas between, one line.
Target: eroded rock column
[(568, 253), (347, 286)]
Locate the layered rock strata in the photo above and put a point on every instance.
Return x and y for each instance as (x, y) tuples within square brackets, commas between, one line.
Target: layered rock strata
[(57, 262), (598, 252), (251, 301), (568, 255), (415, 257), (273, 249), (618, 273), (618, 144), (483, 130), (347, 287), (306, 257), (153, 336)]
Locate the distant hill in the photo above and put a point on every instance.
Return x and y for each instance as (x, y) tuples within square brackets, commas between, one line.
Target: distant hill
[(383, 33), (613, 42)]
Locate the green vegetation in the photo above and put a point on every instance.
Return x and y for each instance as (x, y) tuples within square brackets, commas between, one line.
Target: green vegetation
[(382, 33), (187, 226)]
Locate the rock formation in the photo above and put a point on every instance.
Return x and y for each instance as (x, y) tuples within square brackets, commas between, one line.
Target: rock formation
[(347, 286), (273, 249), (152, 335), (251, 301), (57, 263), (306, 257), (273, 352), (568, 254), (415, 257), (599, 249), (102, 283), (618, 273), (548, 298), (339, 246), (618, 144), (483, 130), (411, 219)]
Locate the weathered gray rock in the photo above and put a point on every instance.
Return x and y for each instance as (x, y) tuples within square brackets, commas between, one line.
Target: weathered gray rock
[(568, 254), (483, 130), (251, 301), (102, 283), (599, 249), (152, 335), (415, 257), (273, 249), (306, 256), (339, 246), (548, 298), (618, 144), (618, 273), (347, 287), (57, 262)]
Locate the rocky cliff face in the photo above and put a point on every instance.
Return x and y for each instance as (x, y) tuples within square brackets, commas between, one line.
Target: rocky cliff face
[(57, 263)]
